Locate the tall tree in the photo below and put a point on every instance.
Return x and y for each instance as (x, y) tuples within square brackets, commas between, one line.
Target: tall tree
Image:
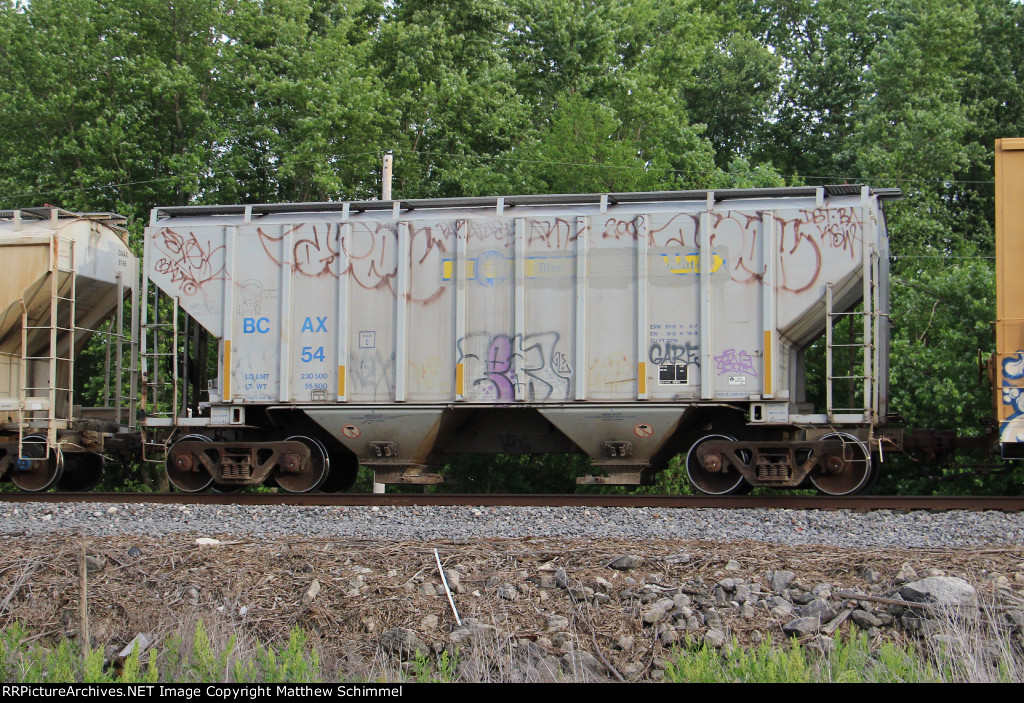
[(618, 70), (106, 104), (910, 122), (822, 47), (307, 110), (450, 85)]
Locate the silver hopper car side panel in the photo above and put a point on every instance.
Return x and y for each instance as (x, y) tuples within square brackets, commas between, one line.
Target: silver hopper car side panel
[(624, 326)]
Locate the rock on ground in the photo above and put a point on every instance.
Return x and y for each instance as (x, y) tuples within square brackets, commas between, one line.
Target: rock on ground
[(941, 590)]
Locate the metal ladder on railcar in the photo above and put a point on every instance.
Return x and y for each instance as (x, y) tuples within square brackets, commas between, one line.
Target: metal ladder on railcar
[(123, 401), (60, 400), (159, 397), (867, 411)]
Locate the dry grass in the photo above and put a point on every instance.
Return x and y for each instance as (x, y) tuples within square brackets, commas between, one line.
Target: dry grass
[(254, 591), (982, 646)]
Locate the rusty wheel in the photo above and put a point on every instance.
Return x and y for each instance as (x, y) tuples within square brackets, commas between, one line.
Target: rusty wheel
[(183, 471), (82, 471), (725, 480), (846, 473), (38, 467), (310, 476)]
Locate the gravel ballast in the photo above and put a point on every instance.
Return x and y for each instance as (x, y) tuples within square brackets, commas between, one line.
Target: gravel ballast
[(838, 528)]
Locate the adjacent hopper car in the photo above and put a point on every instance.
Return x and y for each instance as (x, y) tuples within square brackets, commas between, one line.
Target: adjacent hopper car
[(65, 277), (290, 343)]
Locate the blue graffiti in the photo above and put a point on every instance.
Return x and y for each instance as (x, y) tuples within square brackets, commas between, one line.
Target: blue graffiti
[(1013, 367), (1013, 370)]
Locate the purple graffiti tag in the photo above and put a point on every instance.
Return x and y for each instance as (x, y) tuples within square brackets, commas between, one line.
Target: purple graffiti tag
[(499, 367), (543, 373), (731, 361)]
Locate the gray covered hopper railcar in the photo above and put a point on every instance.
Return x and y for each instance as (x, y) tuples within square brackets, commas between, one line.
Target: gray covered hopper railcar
[(65, 277), (629, 327)]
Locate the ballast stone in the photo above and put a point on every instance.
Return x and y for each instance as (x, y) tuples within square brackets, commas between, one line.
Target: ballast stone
[(557, 623), (781, 580), (472, 632), (865, 620), (94, 564), (906, 574), (941, 590), (713, 619), (508, 591), (658, 610), (403, 643), (818, 608), (714, 639), (626, 562), (429, 622), (579, 661), (311, 593), (802, 626), (454, 579)]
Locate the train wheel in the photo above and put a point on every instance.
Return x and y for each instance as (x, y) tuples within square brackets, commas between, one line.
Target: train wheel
[(313, 474), (184, 479), (40, 469), (855, 475), (878, 469), (82, 471), (344, 470), (715, 483)]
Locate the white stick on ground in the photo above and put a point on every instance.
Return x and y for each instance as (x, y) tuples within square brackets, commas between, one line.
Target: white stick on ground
[(446, 589)]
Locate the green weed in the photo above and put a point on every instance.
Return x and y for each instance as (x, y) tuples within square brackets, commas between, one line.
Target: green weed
[(440, 669), (847, 661), (172, 660)]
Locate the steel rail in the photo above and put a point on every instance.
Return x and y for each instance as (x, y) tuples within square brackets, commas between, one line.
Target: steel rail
[(800, 502)]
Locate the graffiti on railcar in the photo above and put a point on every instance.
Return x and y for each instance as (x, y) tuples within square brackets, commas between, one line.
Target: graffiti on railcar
[(629, 229), (679, 230), (802, 242), (372, 373), (252, 297), (490, 267), (311, 253), (555, 233), (733, 361), (189, 263), (486, 268), (546, 373), (674, 352), (1013, 396), (840, 228), (370, 252)]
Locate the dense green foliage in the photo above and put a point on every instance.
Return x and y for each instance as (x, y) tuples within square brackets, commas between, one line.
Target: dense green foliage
[(126, 105)]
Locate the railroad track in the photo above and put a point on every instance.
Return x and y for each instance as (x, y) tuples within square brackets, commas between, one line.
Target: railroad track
[(859, 503)]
